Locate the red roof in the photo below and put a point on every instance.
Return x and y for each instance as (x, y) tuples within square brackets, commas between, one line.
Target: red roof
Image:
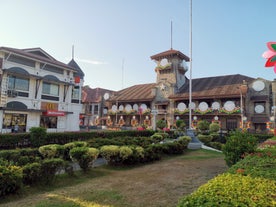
[(142, 92), (94, 95)]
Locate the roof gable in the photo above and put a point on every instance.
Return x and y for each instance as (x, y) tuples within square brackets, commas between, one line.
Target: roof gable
[(39, 52)]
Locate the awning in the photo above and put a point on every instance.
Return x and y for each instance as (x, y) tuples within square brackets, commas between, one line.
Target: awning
[(53, 113)]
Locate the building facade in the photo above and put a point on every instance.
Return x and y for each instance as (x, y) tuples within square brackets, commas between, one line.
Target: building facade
[(233, 101), (37, 90), (94, 111)]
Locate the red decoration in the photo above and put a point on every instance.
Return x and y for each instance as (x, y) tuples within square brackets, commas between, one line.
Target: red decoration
[(77, 79), (270, 55)]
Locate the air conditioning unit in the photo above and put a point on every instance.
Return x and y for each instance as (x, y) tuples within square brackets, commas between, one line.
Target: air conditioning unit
[(12, 93)]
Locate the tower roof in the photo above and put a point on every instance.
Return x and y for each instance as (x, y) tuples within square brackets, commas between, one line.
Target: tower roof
[(74, 65), (169, 54)]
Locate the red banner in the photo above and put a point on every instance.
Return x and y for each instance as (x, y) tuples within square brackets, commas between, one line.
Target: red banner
[(53, 113)]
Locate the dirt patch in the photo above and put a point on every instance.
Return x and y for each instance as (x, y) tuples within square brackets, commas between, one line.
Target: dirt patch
[(158, 184)]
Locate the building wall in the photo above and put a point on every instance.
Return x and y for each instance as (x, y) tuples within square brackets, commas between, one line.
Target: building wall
[(69, 122)]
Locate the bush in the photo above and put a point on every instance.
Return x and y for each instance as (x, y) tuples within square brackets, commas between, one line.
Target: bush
[(214, 127), (49, 168), (157, 137), (216, 145), (237, 144), (206, 139), (31, 173), (51, 151), (136, 156), (180, 124), (161, 124), (10, 155), (11, 179), (84, 156), (203, 125), (110, 153), (68, 146), (233, 190), (37, 136), (260, 164), (125, 152)]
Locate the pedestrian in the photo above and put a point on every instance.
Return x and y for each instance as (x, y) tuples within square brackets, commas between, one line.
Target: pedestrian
[(16, 127)]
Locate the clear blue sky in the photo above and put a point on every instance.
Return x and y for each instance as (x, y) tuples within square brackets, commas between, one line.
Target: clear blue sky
[(114, 39)]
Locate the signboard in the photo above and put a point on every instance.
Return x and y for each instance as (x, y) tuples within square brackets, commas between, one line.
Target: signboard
[(53, 113)]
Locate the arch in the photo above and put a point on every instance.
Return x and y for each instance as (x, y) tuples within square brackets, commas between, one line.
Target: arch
[(51, 78), (16, 105), (18, 70)]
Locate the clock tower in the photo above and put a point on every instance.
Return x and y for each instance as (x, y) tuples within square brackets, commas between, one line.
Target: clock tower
[(170, 69)]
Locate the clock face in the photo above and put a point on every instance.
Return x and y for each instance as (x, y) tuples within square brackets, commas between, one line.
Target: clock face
[(203, 106), (229, 105), (258, 85), (215, 105), (259, 109), (192, 105), (181, 106), (106, 96)]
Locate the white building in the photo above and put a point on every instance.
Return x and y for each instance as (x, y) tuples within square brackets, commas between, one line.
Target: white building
[(37, 90)]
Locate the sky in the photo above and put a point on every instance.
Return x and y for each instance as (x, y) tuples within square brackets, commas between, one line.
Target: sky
[(114, 39)]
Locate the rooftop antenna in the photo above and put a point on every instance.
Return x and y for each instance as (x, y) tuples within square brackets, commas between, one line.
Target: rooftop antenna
[(171, 34), (72, 51)]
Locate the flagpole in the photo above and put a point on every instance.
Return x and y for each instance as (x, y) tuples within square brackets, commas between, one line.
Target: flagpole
[(190, 80)]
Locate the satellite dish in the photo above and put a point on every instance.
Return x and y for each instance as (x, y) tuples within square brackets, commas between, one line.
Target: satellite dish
[(106, 96)]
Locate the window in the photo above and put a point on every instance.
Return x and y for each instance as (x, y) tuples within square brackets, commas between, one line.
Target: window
[(48, 121), (50, 89), (96, 109), (76, 92), (231, 124), (16, 83)]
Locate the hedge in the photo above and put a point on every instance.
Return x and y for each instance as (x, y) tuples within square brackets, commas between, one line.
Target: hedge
[(23, 140), (233, 190)]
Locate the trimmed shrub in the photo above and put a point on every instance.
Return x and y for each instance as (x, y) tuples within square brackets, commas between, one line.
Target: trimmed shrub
[(11, 179), (110, 153), (125, 152), (31, 173), (233, 190), (10, 155), (84, 156), (49, 168), (184, 140), (157, 137), (206, 139), (51, 151), (259, 164), (203, 125), (136, 156), (180, 124), (161, 124), (216, 145), (237, 144), (214, 127), (38, 136), (67, 147)]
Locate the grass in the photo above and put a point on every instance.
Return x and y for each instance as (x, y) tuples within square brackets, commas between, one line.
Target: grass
[(202, 154), (160, 183)]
